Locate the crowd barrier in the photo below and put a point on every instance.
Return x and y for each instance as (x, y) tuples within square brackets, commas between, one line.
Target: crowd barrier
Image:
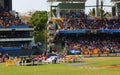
[(103, 55)]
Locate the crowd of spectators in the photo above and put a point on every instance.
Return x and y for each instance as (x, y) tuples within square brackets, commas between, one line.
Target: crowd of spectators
[(89, 43), (73, 21), (93, 44), (9, 19)]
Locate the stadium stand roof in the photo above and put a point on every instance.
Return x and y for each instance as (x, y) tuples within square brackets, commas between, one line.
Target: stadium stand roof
[(71, 5), (114, 0), (67, 0)]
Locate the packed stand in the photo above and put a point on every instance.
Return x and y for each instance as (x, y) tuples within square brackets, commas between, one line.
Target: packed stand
[(93, 44), (8, 19), (73, 21)]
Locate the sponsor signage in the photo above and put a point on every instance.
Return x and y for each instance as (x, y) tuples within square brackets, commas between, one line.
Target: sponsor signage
[(103, 55), (112, 55), (95, 55), (118, 54), (72, 31), (86, 55)]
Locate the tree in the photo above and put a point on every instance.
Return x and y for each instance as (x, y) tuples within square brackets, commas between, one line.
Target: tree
[(39, 21), (40, 36), (92, 12), (102, 13)]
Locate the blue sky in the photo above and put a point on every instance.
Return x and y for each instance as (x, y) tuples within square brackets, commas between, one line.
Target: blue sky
[(29, 5)]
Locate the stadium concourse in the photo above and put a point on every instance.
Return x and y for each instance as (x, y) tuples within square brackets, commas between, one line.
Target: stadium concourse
[(101, 42)]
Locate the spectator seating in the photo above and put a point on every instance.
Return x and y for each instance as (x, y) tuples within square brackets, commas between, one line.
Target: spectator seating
[(73, 21), (8, 20), (93, 44)]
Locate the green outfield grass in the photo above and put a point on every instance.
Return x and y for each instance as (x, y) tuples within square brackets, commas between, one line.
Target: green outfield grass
[(90, 66)]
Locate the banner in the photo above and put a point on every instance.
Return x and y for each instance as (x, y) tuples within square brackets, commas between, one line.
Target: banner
[(110, 31), (95, 55), (113, 55), (86, 56), (103, 55), (118, 54), (72, 31), (88, 31)]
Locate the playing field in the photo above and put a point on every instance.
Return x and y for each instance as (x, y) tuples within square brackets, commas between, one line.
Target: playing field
[(90, 66)]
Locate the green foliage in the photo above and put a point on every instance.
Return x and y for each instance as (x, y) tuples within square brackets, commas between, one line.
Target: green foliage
[(92, 12), (39, 21), (40, 36), (102, 13)]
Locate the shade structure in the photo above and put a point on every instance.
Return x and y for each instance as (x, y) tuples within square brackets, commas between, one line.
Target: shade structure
[(66, 0), (115, 0)]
